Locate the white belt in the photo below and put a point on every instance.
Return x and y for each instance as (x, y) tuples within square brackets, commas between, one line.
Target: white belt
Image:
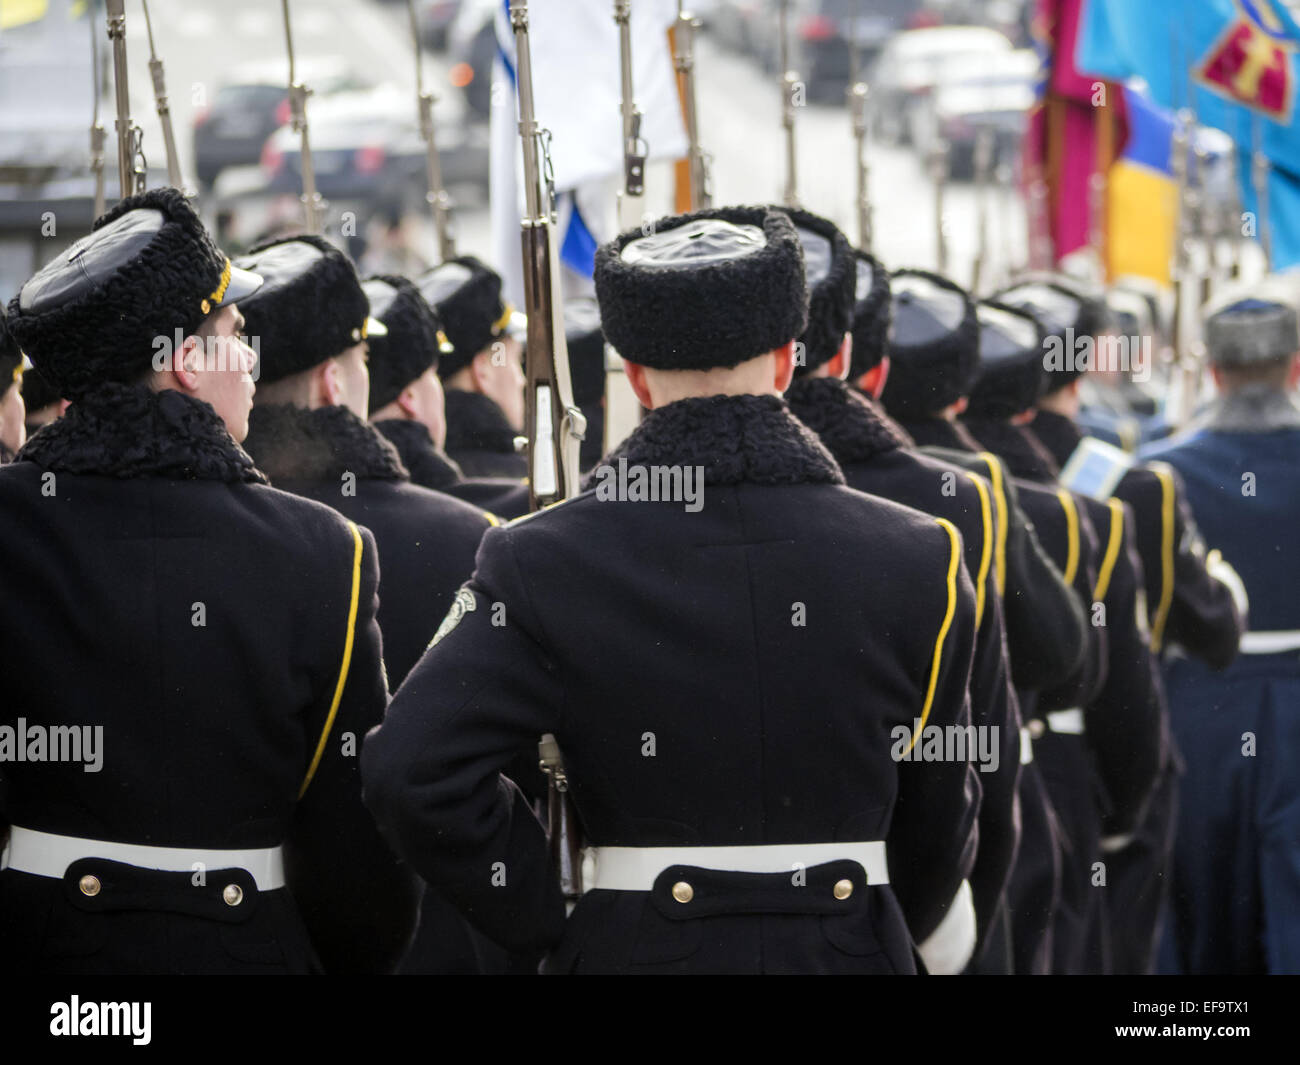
[(636, 868), (1270, 643), (1068, 722), (1026, 745), (45, 854)]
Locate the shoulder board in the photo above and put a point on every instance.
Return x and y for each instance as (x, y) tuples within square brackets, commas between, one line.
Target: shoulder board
[(513, 523), (1095, 468)]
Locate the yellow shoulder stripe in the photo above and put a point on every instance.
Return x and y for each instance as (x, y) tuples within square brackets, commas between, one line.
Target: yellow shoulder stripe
[(1071, 534), (954, 561), (1112, 549), (347, 660), (1000, 501), (1166, 556), (493, 520), (986, 552)]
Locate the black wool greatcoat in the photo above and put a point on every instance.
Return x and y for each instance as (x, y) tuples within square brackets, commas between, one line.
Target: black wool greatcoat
[(728, 674), (873, 451), (223, 636), (430, 468), (479, 439)]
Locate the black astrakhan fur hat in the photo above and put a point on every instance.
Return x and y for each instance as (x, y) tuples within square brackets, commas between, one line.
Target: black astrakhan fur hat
[(466, 294), (586, 345), (310, 308), (704, 290), (1066, 308), (873, 315), (831, 276), (412, 344), (934, 348), (1011, 375), (97, 312)]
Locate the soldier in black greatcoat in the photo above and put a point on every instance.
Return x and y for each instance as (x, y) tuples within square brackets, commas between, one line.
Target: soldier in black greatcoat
[(307, 433), (482, 373), (875, 457), (1120, 723), (191, 658), (407, 403), (933, 357), (729, 742), (1188, 593)]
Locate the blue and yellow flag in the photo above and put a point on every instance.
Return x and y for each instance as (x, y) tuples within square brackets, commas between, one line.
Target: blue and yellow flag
[(1236, 63), (1142, 195)]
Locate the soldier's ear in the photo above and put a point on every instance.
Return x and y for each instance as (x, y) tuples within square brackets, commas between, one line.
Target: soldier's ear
[(784, 367), (636, 378), (328, 383), (873, 381), (838, 367), (187, 363)]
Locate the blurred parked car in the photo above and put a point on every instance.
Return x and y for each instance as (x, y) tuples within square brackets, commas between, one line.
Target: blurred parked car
[(823, 31), (233, 129), (912, 64), (993, 94), (366, 146), (433, 18)]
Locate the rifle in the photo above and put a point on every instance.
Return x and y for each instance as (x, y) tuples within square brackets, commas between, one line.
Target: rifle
[(622, 410), (858, 96), (701, 195), (97, 134), (789, 84), (313, 205), (1259, 174), (437, 196), (130, 147), (164, 111), (939, 168), (1188, 348), (983, 170), (553, 425)]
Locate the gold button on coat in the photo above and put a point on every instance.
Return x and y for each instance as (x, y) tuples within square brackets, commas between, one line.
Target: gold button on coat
[(683, 892), (843, 889), (1036, 729), (89, 885), (233, 894)]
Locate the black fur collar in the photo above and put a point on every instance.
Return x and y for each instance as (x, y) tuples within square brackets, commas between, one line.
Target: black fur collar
[(296, 444), (476, 423), (1024, 456), (853, 428), (940, 432), (428, 466), (737, 439), (1056, 433), (129, 431)]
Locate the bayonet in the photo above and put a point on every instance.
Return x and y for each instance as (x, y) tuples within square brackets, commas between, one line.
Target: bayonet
[(164, 111), (859, 102), (622, 409), (313, 205), (789, 86), (97, 134), (700, 194), (436, 195), (130, 147)]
